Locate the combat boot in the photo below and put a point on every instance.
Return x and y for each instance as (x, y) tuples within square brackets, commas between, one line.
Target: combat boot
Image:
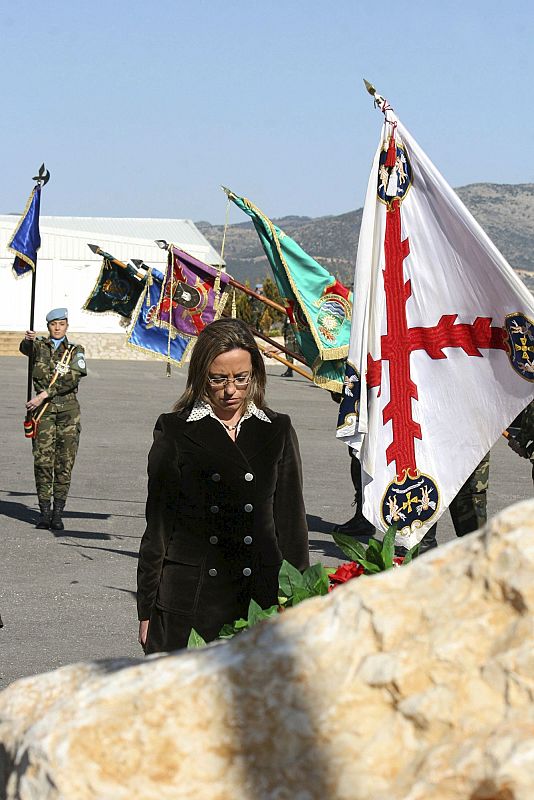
[(43, 523), (357, 526), (57, 522), (429, 541)]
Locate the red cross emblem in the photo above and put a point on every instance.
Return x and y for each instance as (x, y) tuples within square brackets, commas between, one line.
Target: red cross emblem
[(400, 341)]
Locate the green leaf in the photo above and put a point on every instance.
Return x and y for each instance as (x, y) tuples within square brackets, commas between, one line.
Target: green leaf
[(300, 594), (239, 624), (227, 631), (388, 547), (289, 578), (272, 611), (255, 612), (353, 549), (374, 546), (312, 575), (195, 640), (369, 567), (412, 553), (374, 554), (322, 585), (282, 601)]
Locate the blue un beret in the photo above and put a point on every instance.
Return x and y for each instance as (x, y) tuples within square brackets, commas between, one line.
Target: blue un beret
[(57, 313)]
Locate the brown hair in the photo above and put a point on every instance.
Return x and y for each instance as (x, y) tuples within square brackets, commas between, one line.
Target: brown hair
[(221, 337)]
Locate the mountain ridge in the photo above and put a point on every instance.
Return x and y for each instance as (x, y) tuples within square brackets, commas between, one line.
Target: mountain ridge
[(504, 211)]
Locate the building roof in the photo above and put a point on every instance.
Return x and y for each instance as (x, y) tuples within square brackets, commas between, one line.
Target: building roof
[(124, 231)]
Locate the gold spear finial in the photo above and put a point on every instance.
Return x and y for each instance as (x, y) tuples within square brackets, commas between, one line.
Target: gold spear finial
[(370, 88)]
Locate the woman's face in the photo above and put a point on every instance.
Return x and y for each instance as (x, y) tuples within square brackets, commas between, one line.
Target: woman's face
[(58, 328), (230, 398)]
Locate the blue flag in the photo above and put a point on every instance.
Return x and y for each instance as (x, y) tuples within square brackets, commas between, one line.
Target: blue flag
[(26, 240), (145, 334)]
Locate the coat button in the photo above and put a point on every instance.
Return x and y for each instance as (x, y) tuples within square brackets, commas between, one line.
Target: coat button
[(249, 476), (249, 507), (212, 572), (248, 539), (216, 477), (214, 509), (214, 539), (247, 571)]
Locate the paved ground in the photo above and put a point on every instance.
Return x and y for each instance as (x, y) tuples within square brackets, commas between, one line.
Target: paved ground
[(70, 596)]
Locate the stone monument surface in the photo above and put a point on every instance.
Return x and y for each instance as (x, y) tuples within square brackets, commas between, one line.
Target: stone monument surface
[(415, 684)]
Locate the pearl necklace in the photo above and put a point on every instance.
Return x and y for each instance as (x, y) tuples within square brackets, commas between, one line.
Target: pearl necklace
[(231, 427)]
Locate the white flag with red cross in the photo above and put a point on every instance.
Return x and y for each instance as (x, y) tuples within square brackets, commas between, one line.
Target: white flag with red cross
[(441, 356)]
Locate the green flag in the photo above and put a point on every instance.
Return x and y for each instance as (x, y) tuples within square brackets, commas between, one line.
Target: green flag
[(318, 306), (116, 290)]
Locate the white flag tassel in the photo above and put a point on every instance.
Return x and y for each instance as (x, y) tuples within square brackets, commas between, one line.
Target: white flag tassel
[(441, 356)]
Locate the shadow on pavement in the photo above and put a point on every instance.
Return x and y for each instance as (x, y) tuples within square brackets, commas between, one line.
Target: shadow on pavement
[(81, 535), (18, 511), (28, 514), (126, 591), (326, 548), (131, 553), (318, 524)]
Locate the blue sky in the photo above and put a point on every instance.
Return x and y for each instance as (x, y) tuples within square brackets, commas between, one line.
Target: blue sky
[(145, 108)]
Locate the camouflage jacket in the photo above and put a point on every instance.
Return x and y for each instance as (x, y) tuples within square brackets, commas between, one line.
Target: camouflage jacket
[(526, 432), (45, 358)]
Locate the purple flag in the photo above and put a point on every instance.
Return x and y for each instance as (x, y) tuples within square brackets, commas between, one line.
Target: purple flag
[(189, 294)]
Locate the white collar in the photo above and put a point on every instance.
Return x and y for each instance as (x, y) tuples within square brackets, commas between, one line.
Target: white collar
[(203, 409)]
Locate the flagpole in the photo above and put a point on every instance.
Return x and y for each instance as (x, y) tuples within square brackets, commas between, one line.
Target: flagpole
[(262, 297), (30, 355), (286, 363), (41, 179), (272, 342), (99, 252)]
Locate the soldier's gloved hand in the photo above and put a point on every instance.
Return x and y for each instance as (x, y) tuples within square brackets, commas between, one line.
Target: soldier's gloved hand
[(30, 336), (517, 448)]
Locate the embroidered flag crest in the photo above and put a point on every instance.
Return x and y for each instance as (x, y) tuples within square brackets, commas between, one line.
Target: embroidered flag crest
[(117, 289)]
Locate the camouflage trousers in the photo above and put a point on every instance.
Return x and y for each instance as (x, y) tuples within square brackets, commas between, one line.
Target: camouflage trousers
[(469, 507), (54, 451), (291, 343)]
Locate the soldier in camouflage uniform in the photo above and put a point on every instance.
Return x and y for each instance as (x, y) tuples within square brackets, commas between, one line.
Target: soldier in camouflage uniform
[(58, 366), (290, 343), (523, 442), (468, 509)]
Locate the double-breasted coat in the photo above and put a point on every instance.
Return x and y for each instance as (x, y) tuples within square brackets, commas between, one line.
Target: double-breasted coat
[(221, 515)]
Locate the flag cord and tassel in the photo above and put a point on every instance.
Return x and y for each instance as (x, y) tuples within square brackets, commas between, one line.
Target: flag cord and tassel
[(391, 155), (234, 305)]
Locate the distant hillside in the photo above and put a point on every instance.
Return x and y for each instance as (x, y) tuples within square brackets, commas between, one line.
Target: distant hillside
[(506, 212)]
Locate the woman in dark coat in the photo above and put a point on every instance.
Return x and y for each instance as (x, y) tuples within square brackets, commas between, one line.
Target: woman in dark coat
[(225, 501)]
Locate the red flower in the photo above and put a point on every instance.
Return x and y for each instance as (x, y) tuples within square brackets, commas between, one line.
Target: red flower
[(345, 572)]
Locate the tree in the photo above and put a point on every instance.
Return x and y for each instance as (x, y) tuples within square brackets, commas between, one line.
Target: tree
[(243, 306)]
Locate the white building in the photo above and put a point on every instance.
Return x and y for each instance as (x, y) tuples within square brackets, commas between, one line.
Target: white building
[(67, 269)]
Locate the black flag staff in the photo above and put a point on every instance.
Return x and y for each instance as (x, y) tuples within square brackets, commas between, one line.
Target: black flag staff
[(42, 178), (137, 272)]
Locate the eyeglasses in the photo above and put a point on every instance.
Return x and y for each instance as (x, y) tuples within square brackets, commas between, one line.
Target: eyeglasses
[(219, 383)]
